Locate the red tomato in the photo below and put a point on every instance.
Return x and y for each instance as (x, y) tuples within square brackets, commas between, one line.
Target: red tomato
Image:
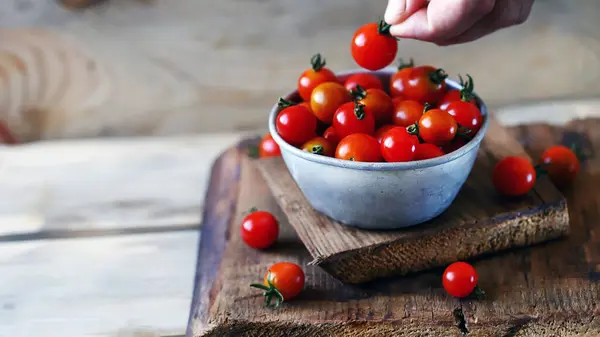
[(331, 135), (454, 145), (283, 281), (358, 147), (460, 279), (268, 147), (365, 80), (314, 76), (259, 229), (398, 146), (6, 136), (427, 151), (407, 113), (437, 127), (381, 131), (465, 94), (466, 115), (373, 47), (326, 98), (296, 124), (424, 84), (514, 176), (561, 163), (353, 118), (319, 145), (399, 78), (376, 101)]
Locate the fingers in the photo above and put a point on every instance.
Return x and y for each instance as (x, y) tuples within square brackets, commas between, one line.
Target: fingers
[(398, 10)]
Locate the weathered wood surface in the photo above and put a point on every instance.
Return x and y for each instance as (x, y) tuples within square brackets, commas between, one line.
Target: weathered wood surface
[(550, 289)]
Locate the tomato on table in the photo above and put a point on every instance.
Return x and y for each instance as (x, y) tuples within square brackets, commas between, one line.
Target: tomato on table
[(365, 80), (373, 47), (353, 118), (320, 146), (283, 281), (427, 151), (437, 127), (465, 94), (407, 112), (268, 147), (314, 76), (259, 229), (397, 145), (381, 131), (514, 176), (460, 279), (326, 98), (296, 124), (359, 147), (399, 79), (377, 101), (424, 84), (561, 163)]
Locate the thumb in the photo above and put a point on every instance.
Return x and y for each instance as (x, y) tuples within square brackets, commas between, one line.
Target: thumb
[(398, 10)]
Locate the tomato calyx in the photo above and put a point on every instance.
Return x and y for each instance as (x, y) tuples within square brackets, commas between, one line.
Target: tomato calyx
[(359, 111), (317, 149), (438, 76), (252, 151), (250, 211), (427, 107), (358, 93), (284, 103), (466, 93), (413, 129), (404, 65), (269, 293), (317, 62), (384, 28), (464, 132)]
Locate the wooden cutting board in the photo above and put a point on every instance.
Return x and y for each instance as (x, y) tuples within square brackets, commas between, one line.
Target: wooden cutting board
[(551, 289)]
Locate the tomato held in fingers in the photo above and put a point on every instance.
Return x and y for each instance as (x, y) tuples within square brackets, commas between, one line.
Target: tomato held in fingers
[(268, 147), (561, 163), (376, 101), (259, 229), (398, 146), (296, 124), (407, 113), (331, 135), (365, 80), (353, 118), (373, 47), (424, 84), (514, 176), (460, 279), (427, 151), (399, 80), (465, 94), (437, 127), (320, 146), (314, 76), (381, 131), (358, 147), (326, 98), (283, 281)]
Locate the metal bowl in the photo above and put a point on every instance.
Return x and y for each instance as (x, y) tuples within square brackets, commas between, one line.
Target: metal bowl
[(380, 195)]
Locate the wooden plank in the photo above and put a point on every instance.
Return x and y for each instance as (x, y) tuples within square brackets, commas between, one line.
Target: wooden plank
[(549, 289)]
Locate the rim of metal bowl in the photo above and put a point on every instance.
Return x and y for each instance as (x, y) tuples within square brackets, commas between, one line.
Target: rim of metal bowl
[(381, 166)]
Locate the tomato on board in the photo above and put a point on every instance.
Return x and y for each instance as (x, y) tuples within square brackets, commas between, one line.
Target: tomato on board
[(314, 76), (283, 281), (460, 279), (400, 77), (561, 163), (6, 136), (437, 127), (377, 101), (398, 146), (365, 80), (268, 147), (407, 113), (514, 176), (259, 229), (424, 84), (296, 124), (359, 147), (465, 94), (427, 151), (326, 98), (352, 118), (319, 145), (373, 47), (381, 131)]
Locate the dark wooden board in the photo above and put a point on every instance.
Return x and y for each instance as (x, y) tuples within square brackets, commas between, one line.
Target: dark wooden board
[(478, 222), (551, 289)]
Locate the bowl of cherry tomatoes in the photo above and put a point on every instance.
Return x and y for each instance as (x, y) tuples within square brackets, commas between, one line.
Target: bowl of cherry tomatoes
[(368, 150)]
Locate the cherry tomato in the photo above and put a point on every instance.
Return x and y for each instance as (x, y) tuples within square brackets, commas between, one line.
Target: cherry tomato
[(296, 124), (466, 115), (398, 146), (359, 147), (6, 136), (314, 76), (514, 176), (319, 145), (381, 131), (423, 84), (427, 151), (365, 80), (399, 78), (460, 279), (373, 47), (353, 118), (326, 98), (259, 229), (283, 281), (562, 165), (331, 135), (376, 101), (437, 127), (454, 145), (268, 147), (465, 94), (407, 113)]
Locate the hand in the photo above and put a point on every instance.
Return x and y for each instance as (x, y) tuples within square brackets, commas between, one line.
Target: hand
[(446, 22)]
